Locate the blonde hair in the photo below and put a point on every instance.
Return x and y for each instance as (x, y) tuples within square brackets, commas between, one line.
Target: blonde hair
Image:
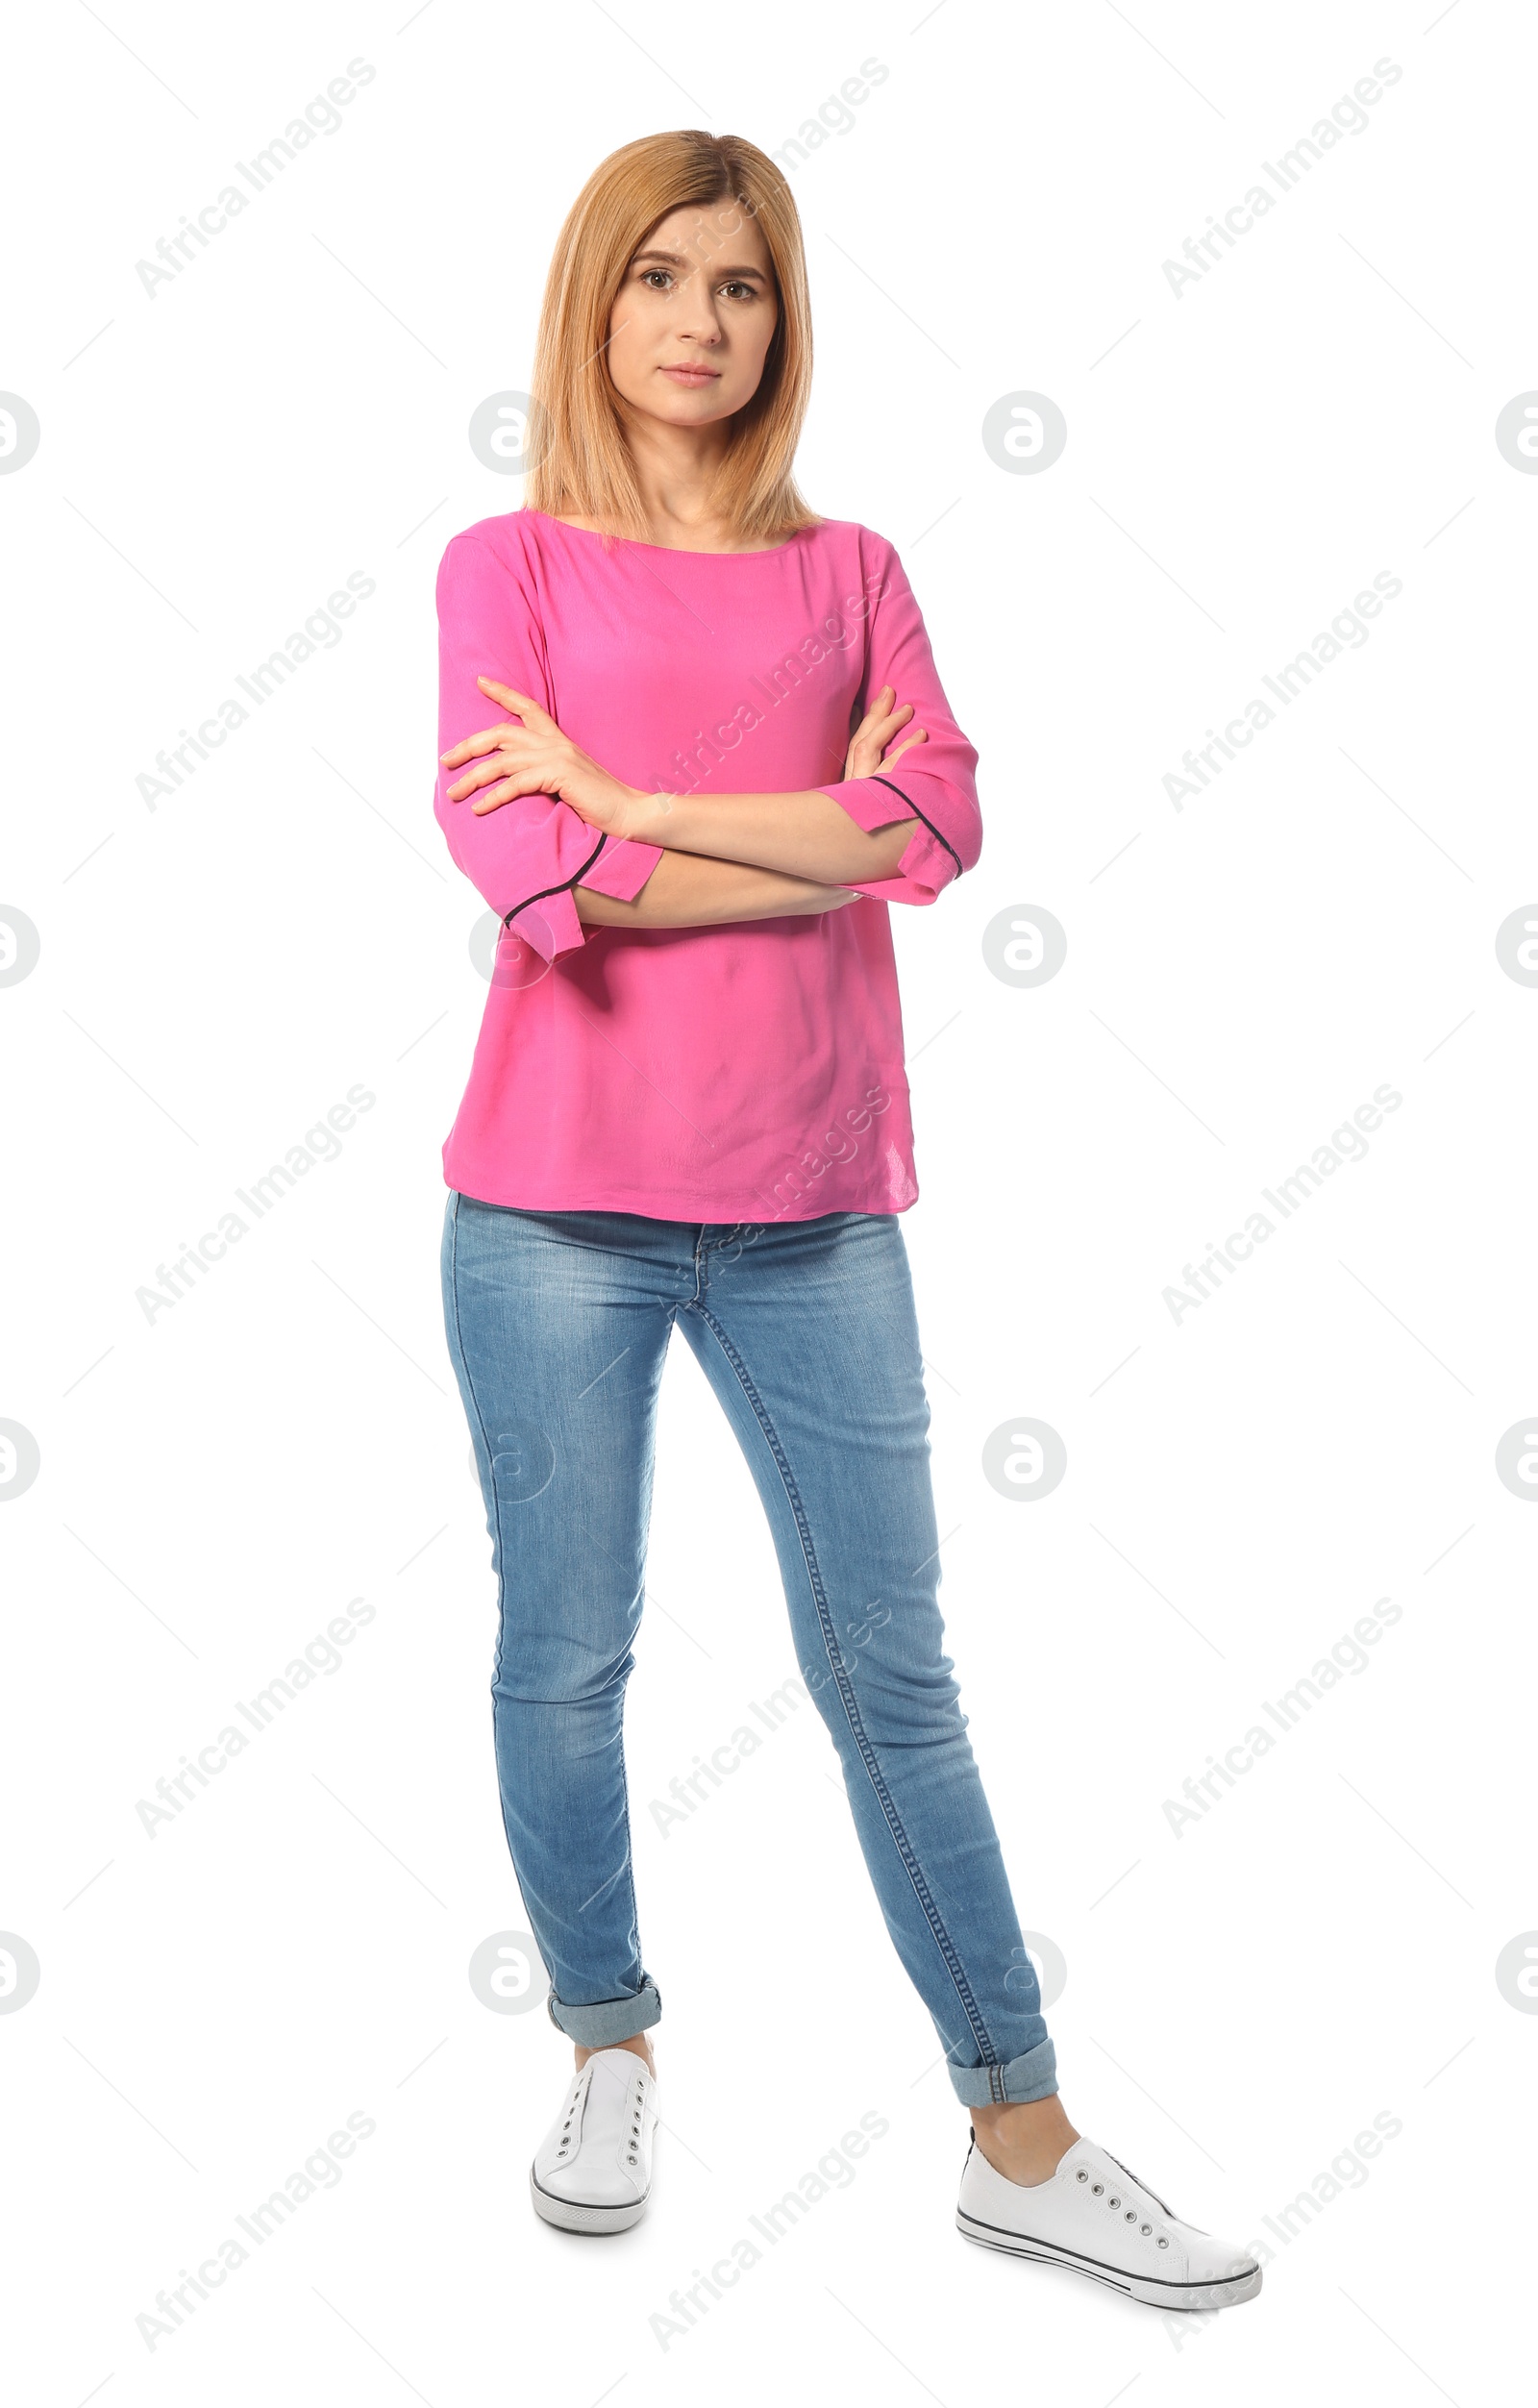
[(583, 467)]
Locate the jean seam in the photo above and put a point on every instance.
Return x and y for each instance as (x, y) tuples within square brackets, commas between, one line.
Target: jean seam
[(623, 1770), (630, 1844), (502, 1553), (479, 1417), (850, 1703)]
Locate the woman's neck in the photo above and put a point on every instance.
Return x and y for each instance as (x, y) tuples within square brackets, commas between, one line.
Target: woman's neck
[(676, 469)]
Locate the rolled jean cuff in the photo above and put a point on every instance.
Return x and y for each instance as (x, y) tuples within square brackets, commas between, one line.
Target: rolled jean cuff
[(1035, 2076), (608, 2020)]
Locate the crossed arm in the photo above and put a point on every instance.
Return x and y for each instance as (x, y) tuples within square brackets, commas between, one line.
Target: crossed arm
[(725, 856)]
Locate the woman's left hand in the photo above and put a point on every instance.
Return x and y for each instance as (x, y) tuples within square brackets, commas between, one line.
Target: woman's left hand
[(536, 758), (867, 746)]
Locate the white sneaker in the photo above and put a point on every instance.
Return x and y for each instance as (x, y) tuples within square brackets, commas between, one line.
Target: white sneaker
[(592, 2171), (1095, 2218)]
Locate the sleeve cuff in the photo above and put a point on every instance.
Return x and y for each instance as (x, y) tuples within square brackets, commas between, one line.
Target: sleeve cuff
[(925, 866), (622, 869), (553, 926)]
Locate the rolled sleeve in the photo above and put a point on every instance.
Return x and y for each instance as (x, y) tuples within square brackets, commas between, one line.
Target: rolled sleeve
[(936, 782), (528, 855), (927, 864)]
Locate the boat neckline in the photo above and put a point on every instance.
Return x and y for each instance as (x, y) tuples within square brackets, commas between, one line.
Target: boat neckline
[(768, 552)]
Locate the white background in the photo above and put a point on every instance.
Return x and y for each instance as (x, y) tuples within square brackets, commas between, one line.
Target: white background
[(1243, 1484)]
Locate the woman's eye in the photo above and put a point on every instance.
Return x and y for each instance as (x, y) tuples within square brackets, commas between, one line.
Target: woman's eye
[(661, 279)]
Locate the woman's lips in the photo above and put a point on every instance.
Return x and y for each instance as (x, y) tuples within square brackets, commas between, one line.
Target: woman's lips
[(692, 376)]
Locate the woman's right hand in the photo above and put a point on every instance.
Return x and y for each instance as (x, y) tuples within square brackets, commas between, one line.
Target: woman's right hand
[(876, 730)]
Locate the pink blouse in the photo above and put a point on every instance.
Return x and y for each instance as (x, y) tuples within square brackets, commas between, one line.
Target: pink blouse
[(743, 1073)]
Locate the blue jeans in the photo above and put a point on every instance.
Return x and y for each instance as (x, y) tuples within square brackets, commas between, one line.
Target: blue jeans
[(558, 1325)]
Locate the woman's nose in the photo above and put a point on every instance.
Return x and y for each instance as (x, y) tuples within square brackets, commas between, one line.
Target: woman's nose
[(696, 318)]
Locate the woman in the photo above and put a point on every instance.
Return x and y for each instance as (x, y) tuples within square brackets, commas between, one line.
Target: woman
[(688, 1104)]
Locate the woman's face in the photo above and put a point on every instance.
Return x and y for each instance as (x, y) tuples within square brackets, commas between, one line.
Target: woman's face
[(692, 321)]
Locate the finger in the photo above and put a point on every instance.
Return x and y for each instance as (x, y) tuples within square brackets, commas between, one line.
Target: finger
[(879, 704), (485, 742), (868, 746), (532, 713), (919, 736), (496, 765), (480, 774), (882, 731), (507, 792)]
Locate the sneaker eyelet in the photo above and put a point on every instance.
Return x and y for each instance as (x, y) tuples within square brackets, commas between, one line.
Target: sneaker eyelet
[(1146, 2227), (1082, 2175), (1130, 2217), (1097, 2188), (1163, 2244)]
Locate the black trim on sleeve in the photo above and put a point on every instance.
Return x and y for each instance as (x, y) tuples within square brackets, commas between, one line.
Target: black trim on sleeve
[(928, 822), (565, 884)]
